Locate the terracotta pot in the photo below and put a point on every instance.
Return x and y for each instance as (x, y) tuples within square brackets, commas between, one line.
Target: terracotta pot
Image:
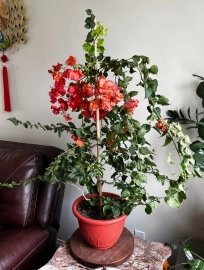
[(100, 234)]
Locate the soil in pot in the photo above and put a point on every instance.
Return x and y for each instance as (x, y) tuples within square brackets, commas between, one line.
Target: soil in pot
[(89, 211)]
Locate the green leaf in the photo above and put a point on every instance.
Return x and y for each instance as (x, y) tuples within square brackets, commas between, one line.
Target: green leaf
[(88, 47), (142, 178), (200, 90), (197, 265), (201, 128), (127, 210), (163, 100), (199, 157), (153, 69), (107, 211), (125, 194), (100, 42), (197, 169), (148, 92), (170, 192), (125, 155), (100, 49), (144, 150), (172, 202), (115, 211), (79, 132), (148, 209), (161, 178), (181, 196), (89, 39), (88, 11), (72, 125), (88, 26), (132, 94), (132, 150), (153, 117), (189, 112), (149, 162), (173, 114), (168, 140), (136, 59), (169, 160), (142, 132), (128, 79)]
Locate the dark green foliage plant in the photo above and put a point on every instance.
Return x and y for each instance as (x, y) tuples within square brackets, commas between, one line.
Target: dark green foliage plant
[(197, 123)]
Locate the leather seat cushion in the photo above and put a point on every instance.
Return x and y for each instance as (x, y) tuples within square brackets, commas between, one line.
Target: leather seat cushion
[(18, 204), (20, 247)]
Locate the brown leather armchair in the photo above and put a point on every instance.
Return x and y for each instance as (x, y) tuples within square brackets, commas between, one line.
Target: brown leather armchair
[(29, 215)]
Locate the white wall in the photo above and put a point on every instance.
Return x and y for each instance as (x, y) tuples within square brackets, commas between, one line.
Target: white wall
[(170, 32)]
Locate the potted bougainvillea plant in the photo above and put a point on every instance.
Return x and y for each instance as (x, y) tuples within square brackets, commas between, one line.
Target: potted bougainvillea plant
[(109, 137)]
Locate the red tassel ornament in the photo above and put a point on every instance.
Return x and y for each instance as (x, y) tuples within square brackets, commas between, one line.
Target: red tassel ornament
[(7, 104)]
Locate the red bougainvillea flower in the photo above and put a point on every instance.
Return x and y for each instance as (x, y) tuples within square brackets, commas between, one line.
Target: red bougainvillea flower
[(106, 104), (161, 125), (71, 90), (86, 114), (104, 85), (74, 137), (61, 91), (74, 103), (85, 109), (131, 104), (60, 81), (163, 128), (57, 76), (80, 143), (77, 140), (55, 110), (102, 114), (71, 61), (109, 93), (94, 104), (73, 74), (118, 96), (75, 90), (57, 67), (63, 104), (82, 95), (67, 118), (88, 90), (53, 95)]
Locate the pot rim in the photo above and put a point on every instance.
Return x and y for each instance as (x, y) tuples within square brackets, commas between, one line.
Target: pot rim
[(95, 221)]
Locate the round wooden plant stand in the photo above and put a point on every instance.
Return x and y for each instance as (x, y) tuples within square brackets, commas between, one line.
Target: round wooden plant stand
[(83, 253)]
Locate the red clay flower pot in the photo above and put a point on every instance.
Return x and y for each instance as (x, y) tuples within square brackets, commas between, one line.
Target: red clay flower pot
[(100, 234)]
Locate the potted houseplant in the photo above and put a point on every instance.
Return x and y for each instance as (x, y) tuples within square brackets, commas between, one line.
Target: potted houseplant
[(109, 135), (196, 146)]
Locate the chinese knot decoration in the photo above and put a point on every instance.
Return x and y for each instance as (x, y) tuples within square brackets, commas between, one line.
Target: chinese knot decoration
[(13, 18)]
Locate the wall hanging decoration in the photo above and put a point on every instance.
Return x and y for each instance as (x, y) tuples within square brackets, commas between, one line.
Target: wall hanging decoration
[(13, 20)]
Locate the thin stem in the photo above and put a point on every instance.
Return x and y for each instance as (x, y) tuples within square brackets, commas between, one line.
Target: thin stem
[(80, 190), (193, 235), (98, 135)]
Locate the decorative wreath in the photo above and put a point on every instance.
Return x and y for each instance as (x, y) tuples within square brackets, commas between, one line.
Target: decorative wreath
[(13, 19)]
